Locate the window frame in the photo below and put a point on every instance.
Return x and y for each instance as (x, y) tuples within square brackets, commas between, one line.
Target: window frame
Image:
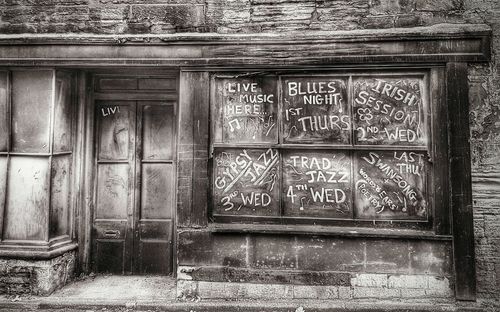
[(437, 222)]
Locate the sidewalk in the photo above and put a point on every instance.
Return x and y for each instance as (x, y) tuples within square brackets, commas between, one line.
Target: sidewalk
[(153, 293)]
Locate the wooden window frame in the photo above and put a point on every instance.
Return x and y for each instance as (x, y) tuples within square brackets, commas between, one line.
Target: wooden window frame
[(48, 247), (437, 221)]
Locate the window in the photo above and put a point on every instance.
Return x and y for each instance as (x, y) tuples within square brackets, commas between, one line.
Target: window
[(36, 155), (322, 147)]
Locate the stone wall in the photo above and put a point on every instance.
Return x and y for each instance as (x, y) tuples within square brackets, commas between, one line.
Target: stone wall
[(246, 16), (234, 16), (40, 277)]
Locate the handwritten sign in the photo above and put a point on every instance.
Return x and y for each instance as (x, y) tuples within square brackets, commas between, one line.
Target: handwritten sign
[(317, 184), (391, 185), (247, 110), (315, 110), (389, 111), (111, 110), (246, 182)]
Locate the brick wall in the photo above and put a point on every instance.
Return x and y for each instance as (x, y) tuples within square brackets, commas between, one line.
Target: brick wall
[(235, 16)]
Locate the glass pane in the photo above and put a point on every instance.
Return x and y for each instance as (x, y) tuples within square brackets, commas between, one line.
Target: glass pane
[(315, 110), (391, 185), (157, 191), (114, 127), (60, 201), (247, 109), (158, 129), (63, 112), (390, 111), (317, 184), (246, 182), (112, 191), (28, 198), (31, 105), (4, 117)]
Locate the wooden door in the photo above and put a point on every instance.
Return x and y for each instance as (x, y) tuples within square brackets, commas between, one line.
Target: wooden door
[(133, 213)]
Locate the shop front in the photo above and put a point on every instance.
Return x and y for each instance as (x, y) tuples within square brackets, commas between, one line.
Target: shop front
[(330, 166)]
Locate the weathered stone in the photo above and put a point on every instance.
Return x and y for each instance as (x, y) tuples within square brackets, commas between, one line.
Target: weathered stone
[(36, 277), (442, 5), (369, 280), (315, 292), (408, 281), (274, 252), (374, 292)]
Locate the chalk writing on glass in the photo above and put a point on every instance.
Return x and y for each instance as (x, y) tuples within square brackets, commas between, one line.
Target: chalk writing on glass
[(317, 183), (247, 109), (315, 110), (389, 110), (391, 185), (107, 111), (246, 181)]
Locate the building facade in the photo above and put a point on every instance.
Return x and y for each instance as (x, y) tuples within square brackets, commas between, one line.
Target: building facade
[(253, 149)]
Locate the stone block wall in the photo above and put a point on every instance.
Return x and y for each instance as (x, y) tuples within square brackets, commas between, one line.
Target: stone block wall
[(31, 277)]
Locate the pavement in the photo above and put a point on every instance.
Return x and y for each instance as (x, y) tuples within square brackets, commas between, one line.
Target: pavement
[(156, 293)]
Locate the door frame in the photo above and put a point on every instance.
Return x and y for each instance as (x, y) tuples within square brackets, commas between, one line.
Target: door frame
[(85, 153)]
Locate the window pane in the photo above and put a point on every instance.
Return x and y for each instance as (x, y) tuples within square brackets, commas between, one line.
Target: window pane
[(63, 112), (315, 110), (317, 184), (60, 190), (246, 110), (31, 105), (391, 185), (390, 111), (246, 182), (27, 198), (4, 117)]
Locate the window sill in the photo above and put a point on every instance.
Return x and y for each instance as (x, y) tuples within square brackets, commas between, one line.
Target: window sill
[(325, 231), (35, 250)]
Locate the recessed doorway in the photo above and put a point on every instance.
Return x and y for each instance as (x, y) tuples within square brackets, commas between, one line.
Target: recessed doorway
[(134, 173)]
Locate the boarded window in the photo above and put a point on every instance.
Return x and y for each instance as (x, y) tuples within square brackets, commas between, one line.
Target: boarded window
[(322, 146), (26, 212), (36, 118)]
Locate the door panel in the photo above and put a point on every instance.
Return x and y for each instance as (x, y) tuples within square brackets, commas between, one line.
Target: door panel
[(154, 213), (111, 256), (156, 191), (114, 136), (112, 191), (113, 226), (135, 174), (158, 136)]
